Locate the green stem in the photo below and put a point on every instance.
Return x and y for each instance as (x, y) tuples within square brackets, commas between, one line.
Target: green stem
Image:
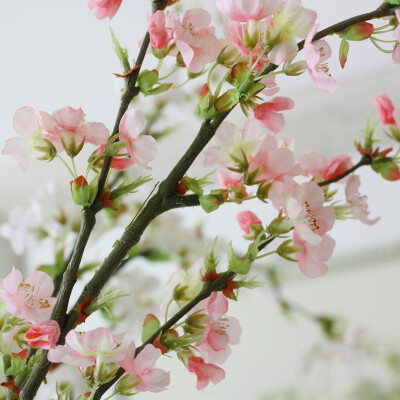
[(68, 167)]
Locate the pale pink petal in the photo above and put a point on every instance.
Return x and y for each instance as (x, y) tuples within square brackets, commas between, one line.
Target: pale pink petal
[(154, 381), (99, 340), (283, 51), (216, 306), (26, 121), (132, 123), (144, 150), (93, 132), (69, 118), (385, 109)]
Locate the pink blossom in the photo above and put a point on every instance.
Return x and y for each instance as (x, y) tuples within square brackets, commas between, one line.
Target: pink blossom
[(316, 53), (311, 259), (385, 109), (317, 165), (161, 33), (304, 206), (360, 205), (244, 10), (27, 123), (196, 40), (246, 219), (142, 149), (268, 114), (205, 372), (274, 162), (231, 140), (104, 8), (220, 332), (91, 348), (70, 121), (291, 22), (230, 179), (150, 379), (29, 298), (43, 335)]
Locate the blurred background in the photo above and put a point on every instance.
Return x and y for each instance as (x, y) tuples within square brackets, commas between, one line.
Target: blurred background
[(56, 53)]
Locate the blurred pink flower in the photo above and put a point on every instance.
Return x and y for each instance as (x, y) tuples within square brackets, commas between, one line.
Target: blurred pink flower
[(27, 124), (205, 373), (268, 114), (360, 205), (231, 140), (68, 120), (292, 21), (220, 332), (274, 162), (43, 335), (104, 8), (29, 298), (85, 349), (246, 219), (196, 40), (316, 53), (304, 206), (142, 149), (151, 379), (385, 109), (245, 10), (160, 30), (311, 259)]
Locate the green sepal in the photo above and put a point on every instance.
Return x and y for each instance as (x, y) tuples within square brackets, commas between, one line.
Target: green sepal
[(228, 100), (237, 265), (343, 52), (210, 202)]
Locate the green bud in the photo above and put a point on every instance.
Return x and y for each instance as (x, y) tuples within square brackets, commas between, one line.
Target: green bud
[(83, 194), (227, 56), (295, 69), (280, 226)]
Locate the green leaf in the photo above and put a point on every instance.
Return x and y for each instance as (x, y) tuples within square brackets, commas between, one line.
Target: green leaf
[(393, 2), (146, 80), (124, 188), (155, 255), (151, 325), (209, 203), (121, 53), (194, 186)]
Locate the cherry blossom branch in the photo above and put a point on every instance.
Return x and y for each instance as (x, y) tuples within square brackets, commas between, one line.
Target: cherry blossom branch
[(384, 10), (208, 288)]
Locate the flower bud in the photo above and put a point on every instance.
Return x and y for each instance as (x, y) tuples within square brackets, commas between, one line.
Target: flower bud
[(46, 147), (227, 56), (83, 194), (280, 226), (205, 105), (394, 132), (227, 101)]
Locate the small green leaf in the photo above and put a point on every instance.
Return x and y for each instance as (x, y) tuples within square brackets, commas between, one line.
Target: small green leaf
[(121, 53), (209, 203), (151, 325), (237, 265), (124, 188), (393, 2)]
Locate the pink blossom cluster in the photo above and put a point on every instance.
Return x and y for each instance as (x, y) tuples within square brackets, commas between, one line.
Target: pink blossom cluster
[(303, 205), (30, 299), (38, 130), (99, 348)]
